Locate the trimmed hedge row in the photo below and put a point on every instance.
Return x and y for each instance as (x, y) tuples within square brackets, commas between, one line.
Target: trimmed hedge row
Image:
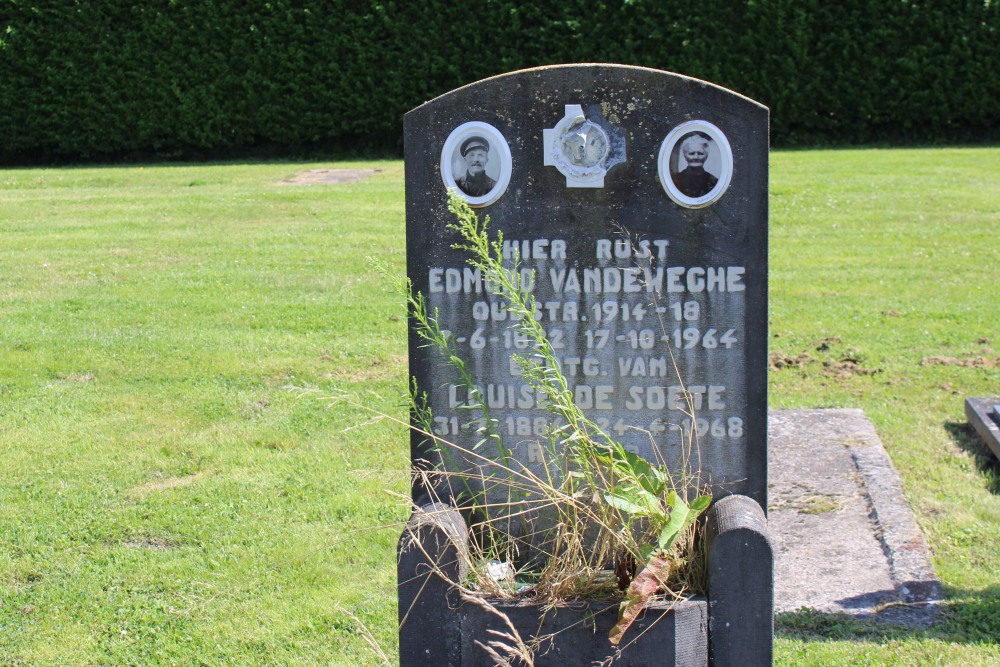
[(203, 78)]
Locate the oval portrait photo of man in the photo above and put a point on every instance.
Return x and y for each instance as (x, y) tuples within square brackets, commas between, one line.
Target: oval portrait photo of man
[(475, 162), (695, 164)]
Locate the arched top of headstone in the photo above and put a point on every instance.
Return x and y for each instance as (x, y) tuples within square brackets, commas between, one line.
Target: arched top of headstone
[(605, 130), (595, 72)]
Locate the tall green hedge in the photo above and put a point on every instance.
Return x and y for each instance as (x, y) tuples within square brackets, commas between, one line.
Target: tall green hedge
[(87, 79)]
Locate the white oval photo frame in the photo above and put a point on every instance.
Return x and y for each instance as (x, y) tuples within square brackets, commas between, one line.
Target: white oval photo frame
[(451, 161), (723, 161)]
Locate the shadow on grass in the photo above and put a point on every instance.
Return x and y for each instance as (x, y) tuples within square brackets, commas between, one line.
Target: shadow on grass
[(965, 436), (966, 616)]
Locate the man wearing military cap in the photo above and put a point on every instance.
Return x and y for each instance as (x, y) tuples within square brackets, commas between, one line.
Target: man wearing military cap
[(476, 153)]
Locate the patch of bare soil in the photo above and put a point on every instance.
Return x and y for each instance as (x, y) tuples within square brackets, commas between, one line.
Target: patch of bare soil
[(21, 580), (841, 369), (329, 176), (968, 362), (847, 367), (826, 343), (778, 360)]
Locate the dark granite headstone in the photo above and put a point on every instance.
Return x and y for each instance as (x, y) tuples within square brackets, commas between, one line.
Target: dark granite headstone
[(636, 201), (639, 200)]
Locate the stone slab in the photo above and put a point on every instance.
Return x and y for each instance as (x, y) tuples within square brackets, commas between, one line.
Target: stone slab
[(982, 414), (845, 538)]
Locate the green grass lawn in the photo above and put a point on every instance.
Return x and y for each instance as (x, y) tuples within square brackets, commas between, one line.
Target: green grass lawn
[(166, 499)]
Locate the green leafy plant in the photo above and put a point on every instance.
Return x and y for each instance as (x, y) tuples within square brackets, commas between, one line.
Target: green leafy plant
[(675, 516)]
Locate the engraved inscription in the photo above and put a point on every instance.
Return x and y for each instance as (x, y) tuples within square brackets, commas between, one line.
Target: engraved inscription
[(652, 350)]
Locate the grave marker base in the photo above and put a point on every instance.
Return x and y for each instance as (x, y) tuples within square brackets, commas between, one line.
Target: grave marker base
[(438, 628)]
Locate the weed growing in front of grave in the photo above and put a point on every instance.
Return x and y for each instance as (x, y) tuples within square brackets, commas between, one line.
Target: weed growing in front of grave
[(604, 503)]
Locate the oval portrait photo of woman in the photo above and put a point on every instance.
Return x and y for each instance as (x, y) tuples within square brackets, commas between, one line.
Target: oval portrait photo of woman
[(695, 164)]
